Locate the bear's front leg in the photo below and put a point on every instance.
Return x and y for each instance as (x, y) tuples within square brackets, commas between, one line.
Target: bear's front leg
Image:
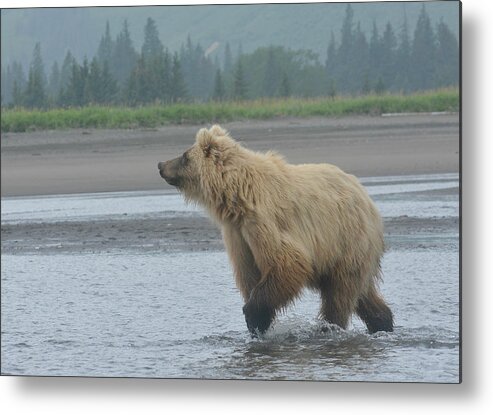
[(258, 317), (284, 270)]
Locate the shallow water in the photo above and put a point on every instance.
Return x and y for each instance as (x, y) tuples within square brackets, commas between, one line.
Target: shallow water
[(178, 314)]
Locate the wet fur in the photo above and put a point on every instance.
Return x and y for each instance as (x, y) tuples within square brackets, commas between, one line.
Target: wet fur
[(286, 227)]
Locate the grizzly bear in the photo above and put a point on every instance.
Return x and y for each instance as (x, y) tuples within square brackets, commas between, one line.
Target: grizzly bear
[(286, 227)]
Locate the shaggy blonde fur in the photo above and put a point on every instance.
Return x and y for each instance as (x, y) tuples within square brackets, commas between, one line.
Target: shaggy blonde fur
[(286, 227)]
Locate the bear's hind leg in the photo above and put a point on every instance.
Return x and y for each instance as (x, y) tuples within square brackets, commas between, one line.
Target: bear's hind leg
[(374, 312)]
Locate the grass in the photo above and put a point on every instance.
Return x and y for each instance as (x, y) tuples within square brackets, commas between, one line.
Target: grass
[(20, 120)]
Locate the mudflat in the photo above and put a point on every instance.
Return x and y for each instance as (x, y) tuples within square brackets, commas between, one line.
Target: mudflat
[(93, 160)]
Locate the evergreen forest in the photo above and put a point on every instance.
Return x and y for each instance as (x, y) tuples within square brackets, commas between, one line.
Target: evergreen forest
[(395, 60)]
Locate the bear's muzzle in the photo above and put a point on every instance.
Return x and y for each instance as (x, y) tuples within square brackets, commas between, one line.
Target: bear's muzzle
[(167, 170)]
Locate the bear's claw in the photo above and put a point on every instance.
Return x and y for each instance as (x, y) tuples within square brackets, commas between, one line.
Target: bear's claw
[(258, 317)]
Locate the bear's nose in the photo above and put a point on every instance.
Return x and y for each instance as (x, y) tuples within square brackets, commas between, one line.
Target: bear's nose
[(160, 165)]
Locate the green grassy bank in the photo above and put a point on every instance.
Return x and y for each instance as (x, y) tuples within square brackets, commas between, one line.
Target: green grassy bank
[(20, 120)]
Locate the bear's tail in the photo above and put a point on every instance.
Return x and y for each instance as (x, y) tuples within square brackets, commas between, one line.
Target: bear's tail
[(374, 312)]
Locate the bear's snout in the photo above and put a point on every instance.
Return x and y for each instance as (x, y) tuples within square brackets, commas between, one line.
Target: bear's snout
[(162, 169), (168, 171)]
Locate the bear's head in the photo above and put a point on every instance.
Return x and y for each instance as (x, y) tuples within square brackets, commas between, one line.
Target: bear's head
[(199, 172)]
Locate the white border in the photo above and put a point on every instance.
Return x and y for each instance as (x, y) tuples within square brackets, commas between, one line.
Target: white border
[(474, 396)]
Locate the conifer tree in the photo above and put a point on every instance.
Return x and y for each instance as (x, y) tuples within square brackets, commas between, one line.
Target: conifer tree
[(139, 84), (271, 75), (178, 86), (366, 89), (106, 45), (65, 75), (14, 74), (331, 60), (93, 87), (240, 88), (132, 90), (35, 94), (54, 82), (389, 43), (3, 84), (285, 87), (77, 91), (423, 53), (152, 46), (360, 59), (447, 57), (345, 52), (197, 69), (219, 90), (228, 59), (332, 88), (109, 88), (17, 95), (124, 55), (375, 54), (403, 59), (380, 86)]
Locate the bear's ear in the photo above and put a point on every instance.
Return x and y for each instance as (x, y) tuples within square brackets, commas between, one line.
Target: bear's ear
[(217, 130), (207, 142)]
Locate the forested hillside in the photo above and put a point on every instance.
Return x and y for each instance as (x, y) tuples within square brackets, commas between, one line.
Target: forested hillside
[(404, 54), (295, 26)]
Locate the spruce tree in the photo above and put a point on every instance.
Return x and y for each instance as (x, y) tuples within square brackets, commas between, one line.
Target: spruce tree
[(228, 59), (345, 52), (178, 86), (332, 92), (388, 65), (331, 60), (447, 57), (3, 84), (65, 76), (360, 59), (159, 71), (366, 89), (84, 75), (152, 46), (132, 91), (423, 53), (13, 75), (380, 86), (109, 87), (35, 94), (124, 55), (271, 74), (240, 88), (93, 88), (219, 90), (403, 59), (197, 69), (375, 54), (77, 92), (285, 87), (167, 77), (139, 84), (54, 82), (106, 45), (17, 95)]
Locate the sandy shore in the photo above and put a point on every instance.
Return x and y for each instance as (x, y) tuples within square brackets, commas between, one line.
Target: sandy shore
[(77, 161)]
